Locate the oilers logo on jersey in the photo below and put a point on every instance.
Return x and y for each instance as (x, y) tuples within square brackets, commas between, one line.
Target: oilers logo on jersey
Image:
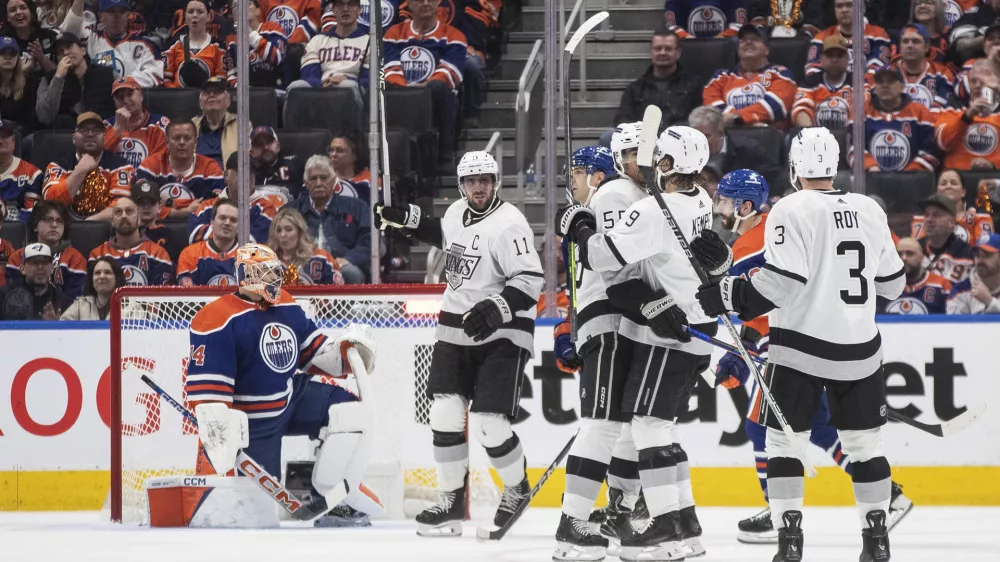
[(907, 305), (952, 11), (176, 195), (981, 140), (388, 13), (748, 95), (920, 93), (833, 112), (707, 21), (459, 265), (418, 64), (279, 347), (285, 17), (134, 151), (222, 280), (891, 150), (135, 275)]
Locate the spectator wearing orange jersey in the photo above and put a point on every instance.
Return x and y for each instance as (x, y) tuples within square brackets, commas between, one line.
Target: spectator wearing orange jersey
[(204, 56), (969, 137), (298, 19), (185, 177), (970, 222), (991, 46), (935, 15), (133, 133), (705, 19), (980, 293), (305, 263), (877, 44), (925, 292), (944, 252), (825, 99), (50, 225), (264, 204), (268, 44), (754, 91), (926, 82), (143, 261), (213, 261)]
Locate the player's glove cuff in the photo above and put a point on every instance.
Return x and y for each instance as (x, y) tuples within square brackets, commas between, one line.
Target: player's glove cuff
[(654, 308), (727, 288), (506, 314), (572, 218)]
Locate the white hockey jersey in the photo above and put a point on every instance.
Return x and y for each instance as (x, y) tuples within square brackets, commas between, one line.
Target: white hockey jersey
[(483, 256), (131, 56), (828, 254), (644, 237)]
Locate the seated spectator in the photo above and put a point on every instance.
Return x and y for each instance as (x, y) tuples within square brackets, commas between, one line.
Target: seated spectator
[(184, 176), (877, 43), (75, 87), (788, 19), (133, 133), (754, 91), (115, 46), (20, 181), (299, 20), (50, 225), (206, 56), (6, 251), (899, 132), (92, 178), (273, 170), (934, 15), (267, 49), (340, 225), (969, 137), (146, 196), (305, 264), (351, 181), (704, 19), (728, 152), (338, 58), (927, 82), (978, 293), (664, 85), (925, 292), (991, 47), (264, 204), (18, 90), (219, 22), (143, 261), (213, 261), (216, 126), (825, 99), (425, 52), (966, 37), (970, 222), (944, 252), (36, 43), (104, 275), (35, 297)]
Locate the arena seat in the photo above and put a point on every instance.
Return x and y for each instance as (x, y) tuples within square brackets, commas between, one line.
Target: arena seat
[(87, 235), (174, 103), (901, 192), (15, 232), (50, 145), (768, 138), (263, 106), (703, 57), (176, 238), (791, 52), (332, 109), (304, 142), (410, 110)]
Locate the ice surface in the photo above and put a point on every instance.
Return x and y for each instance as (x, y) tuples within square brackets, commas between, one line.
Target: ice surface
[(928, 534)]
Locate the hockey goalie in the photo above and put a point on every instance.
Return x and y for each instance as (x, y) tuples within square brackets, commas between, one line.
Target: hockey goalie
[(250, 383)]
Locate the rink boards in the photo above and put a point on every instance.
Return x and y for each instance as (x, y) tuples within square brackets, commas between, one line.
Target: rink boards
[(54, 439)]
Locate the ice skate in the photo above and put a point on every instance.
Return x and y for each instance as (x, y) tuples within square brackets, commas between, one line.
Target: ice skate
[(661, 540), (758, 529), (513, 497), (899, 507), (343, 515), (875, 539), (576, 539), (691, 532), (790, 538), (444, 518)]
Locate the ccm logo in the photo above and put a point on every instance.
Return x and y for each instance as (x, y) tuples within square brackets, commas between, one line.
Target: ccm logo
[(271, 486)]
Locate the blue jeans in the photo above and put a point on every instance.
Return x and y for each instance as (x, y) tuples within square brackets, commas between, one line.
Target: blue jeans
[(353, 275)]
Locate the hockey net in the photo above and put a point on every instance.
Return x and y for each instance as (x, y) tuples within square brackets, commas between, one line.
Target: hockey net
[(150, 439)]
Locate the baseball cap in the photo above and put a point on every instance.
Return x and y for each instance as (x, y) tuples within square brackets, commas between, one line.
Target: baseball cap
[(749, 29), (919, 28), (66, 39), (888, 71), (989, 242), (835, 42), (37, 250), (7, 128), (233, 162), (145, 189), (938, 201), (125, 82), (87, 117), (108, 4), (263, 130), (217, 83), (9, 43)]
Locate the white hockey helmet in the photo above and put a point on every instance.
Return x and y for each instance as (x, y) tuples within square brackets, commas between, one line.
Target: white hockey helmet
[(625, 137), (686, 146), (814, 154), (475, 163)]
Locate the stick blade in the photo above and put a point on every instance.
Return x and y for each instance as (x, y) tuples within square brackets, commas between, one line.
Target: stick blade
[(963, 421), (584, 29), (647, 139)]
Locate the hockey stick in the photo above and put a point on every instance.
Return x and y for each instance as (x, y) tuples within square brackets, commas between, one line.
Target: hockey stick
[(483, 534), (269, 484), (647, 142), (375, 20), (575, 40), (956, 424)]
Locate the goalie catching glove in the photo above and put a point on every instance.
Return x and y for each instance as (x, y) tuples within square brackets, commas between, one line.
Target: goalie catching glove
[(712, 253), (331, 359), (486, 317), (396, 217)]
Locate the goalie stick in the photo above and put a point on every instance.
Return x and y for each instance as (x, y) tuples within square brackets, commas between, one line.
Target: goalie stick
[(265, 481), (956, 424), (483, 534), (647, 142)]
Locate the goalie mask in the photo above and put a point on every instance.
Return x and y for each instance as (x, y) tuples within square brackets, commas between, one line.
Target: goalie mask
[(473, 165), (814, 154), (625, 138), (259, 271), (735, 188), (687, 149)]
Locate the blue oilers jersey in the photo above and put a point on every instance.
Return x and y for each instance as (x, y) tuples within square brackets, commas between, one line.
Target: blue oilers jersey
[(929, 295)]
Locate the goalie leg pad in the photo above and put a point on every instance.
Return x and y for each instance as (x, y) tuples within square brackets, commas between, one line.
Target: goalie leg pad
[(223, 432), (502, 446), (344, 453), (451, 449)]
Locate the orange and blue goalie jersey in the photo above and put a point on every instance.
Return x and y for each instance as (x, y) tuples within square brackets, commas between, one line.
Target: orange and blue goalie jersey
[(931, 88), (929, 295), (145, 264), (901, 140), (765, 96), (203, 263), (245, 354), (878, 47), (20, 187), (69, 273), (412, 58), (827, 104), (705, 18), (135, 146), (298, 19), (967, 142), (970, 225), (203, 181), (748, 258)]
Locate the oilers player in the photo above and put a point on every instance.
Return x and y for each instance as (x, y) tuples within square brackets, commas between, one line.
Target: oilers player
[(246, 350), (485, 336), (828, 255), (738, 202)]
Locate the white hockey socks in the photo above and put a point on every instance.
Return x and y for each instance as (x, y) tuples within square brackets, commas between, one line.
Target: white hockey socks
[(587, 465), (657, 466), (502, 446), (451, 448), (786, 483)]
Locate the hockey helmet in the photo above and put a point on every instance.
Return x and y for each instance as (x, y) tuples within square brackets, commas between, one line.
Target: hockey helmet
[(735, 188), (687, 148), (625, 137), (814, 154), (475, 163), (259, 271), (593, 159)]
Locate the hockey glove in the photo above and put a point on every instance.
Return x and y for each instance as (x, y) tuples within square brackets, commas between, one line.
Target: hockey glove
[(712, 253), (396, 217), (484, 319), (571, 219), (567, 359), (666, 319), (716, 297), (732, 371)]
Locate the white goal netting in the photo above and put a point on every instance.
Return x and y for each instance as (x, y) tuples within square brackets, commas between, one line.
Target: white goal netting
[(151, 439)]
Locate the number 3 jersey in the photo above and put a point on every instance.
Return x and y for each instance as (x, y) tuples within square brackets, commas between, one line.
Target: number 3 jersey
[(484, 256), (828, 255)]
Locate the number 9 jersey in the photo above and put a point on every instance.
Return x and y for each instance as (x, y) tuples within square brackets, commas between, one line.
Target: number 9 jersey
[(828, 255)]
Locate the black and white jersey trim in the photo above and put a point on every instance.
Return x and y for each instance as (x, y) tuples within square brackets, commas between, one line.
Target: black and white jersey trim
[(615, 252), (452, 320), (821, 349), (888, 278), (528, 274), (788, 274)]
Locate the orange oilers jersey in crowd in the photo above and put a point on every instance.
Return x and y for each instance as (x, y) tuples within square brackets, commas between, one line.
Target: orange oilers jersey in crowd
[(748, 258), (562, 302), (145, 264), (962, 88), (937, 52), (412, 58), (878, 47), (202, 263), (298, 19), (705, 19), (954, 9), (20, 187), (111, 180), (320, 269), (827, 105), (211, 56), (139, 144), (245, 354), (266, 53), (263, 208), (765, 96), (954, 261), (6, 253), (964, 143), (929, 295), (901, 140), (390, 15), (969, 225), (69, 274), (931, 88), (203, 180)]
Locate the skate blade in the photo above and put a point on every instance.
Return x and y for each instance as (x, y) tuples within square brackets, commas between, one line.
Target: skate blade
[(897, 511), (331, 522), (666, 552), (571, 552), (451, 529), (694, 547), (767, 537), (614, 548)]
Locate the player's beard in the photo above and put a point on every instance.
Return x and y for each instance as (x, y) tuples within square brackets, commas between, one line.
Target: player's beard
[(728, 221)]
